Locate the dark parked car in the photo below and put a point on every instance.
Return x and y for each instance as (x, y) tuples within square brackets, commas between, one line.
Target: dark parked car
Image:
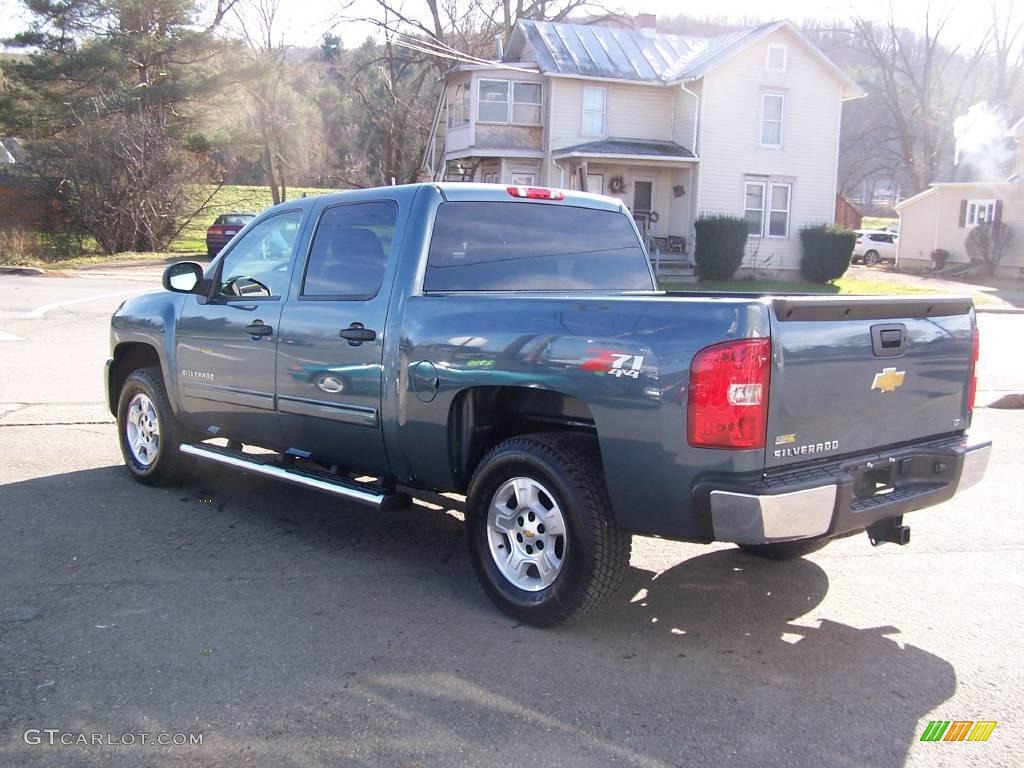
[(511, 345), (226, 226)]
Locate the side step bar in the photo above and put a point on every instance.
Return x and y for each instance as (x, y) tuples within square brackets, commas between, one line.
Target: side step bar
[(310, 478)]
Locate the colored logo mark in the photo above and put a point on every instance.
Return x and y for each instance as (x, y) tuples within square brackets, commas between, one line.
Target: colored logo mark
[(958, 730)]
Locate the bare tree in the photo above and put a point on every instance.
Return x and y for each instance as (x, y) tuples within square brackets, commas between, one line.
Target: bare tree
[(922, 85), (1006, 35), (988, 243), (125, 180), (257, 20)]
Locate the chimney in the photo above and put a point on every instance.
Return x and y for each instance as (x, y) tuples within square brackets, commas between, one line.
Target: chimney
[(499, 43), (647, 23)]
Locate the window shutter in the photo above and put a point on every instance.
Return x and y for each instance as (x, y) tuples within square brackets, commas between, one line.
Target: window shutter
[(963, 214), (998, 215)]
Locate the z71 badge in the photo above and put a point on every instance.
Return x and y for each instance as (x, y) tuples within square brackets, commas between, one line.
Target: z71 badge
[(614, 363)]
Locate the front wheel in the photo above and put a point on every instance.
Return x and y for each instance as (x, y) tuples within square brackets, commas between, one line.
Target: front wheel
[(540, 530), (871, 258), (149, 434)]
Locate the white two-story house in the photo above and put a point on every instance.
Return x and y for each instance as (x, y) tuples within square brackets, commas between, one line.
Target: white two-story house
[(745, 124)]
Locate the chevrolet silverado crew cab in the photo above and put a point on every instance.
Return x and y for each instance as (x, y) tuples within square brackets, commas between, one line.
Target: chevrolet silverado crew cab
[(510, 345)]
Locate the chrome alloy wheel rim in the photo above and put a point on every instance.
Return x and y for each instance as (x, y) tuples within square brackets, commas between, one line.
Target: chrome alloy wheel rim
[(526, 534), (142, 429)]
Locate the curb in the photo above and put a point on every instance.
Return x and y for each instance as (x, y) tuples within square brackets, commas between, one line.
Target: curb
[(27, 271)]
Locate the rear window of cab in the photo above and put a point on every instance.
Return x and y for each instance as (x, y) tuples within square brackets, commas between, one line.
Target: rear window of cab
[(522, 246)]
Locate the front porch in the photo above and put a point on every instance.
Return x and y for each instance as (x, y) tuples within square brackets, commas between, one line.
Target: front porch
[(656, 186)]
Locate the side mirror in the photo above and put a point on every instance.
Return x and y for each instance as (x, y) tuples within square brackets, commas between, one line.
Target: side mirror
[(182, 277)]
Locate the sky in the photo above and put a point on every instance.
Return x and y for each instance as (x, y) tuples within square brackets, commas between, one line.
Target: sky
[(304, 21)]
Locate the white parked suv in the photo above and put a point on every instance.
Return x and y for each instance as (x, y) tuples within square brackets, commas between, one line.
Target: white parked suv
[(875, 246)]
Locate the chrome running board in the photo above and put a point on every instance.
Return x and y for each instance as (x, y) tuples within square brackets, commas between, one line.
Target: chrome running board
[(269, 466)]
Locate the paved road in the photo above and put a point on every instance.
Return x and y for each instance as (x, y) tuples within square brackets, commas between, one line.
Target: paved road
[(291, 631)]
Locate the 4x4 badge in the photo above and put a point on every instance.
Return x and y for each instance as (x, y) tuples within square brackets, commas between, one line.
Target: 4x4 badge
[(888, 379)]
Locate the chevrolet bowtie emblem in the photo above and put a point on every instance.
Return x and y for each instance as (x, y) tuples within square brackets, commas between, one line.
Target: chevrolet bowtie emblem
[(888, 379)]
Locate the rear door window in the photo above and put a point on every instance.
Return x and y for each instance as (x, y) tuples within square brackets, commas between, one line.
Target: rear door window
[(515, 245)]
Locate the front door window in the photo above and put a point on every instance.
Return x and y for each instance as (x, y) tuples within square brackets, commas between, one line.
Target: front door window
[(643, 192), (258, 264)]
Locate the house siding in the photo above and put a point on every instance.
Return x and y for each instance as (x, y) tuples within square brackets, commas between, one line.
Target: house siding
[(631, 111), (730, 147), (933, 221), (685, 116)]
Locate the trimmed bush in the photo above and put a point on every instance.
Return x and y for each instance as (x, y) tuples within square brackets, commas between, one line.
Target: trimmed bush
[(939, 258), (721, 242), (827, 252)]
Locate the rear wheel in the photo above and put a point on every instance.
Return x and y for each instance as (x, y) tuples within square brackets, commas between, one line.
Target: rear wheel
[(784, 550), (871, 258), (540, 530), (149, 434)]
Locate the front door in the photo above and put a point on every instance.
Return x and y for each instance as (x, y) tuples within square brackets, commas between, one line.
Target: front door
[(330, 352), (642, 201), (225, 342)]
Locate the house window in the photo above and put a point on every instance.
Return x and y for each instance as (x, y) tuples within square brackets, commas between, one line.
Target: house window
[(526, 103), (767, 207), (524, 179), (980, 211), (778, 210), (753, 207), (496, 106), (776, 58), (595, 183), (594, 101), (458, 107), (771, 119), (493, 107)]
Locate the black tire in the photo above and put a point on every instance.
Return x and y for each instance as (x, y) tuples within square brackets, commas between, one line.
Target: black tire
[(211, 253), (871, 258), (169, 464), (784, 550), (596, 553)]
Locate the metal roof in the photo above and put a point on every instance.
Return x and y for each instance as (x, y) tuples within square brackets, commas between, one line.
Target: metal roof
[(598, 51), (591, 50), (646, 148), (625, 54)]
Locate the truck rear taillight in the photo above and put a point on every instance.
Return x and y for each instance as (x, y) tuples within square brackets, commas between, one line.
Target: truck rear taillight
[(536, 193), (972, 390), (728, 398)]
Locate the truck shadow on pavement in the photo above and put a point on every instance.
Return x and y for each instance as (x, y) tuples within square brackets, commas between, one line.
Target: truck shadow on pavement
[(355, 637)]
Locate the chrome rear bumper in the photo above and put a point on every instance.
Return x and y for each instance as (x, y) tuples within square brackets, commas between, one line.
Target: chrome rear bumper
[(830, 509)]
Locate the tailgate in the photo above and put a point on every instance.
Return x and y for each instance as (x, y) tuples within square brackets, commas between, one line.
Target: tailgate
[(857, 373)]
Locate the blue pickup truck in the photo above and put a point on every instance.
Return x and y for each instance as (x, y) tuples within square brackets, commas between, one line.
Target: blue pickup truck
[(510, 344)]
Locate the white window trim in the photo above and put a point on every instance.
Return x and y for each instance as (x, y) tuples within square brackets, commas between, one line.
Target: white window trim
[(603, 111), (785, 57), (781, 121), (510, 101), (975, 206), (766, 210)]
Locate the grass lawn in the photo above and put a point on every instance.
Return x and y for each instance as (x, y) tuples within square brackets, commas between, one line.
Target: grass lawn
[(229, 199), (878, 222)]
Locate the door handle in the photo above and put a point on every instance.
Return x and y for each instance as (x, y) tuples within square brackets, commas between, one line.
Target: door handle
[(257, 329), (357, 334)]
